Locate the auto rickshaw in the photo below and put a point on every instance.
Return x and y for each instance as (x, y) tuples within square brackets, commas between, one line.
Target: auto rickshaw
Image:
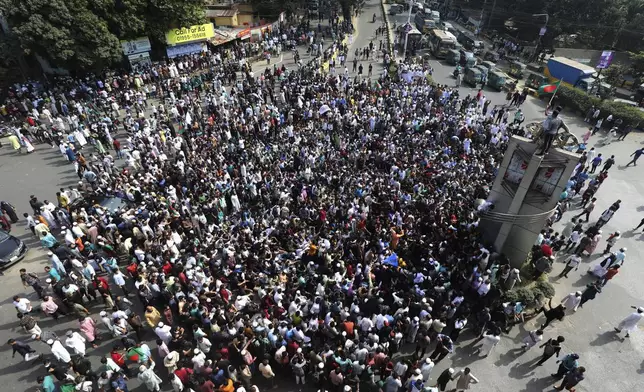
[(467, 60), (472, 76), (483, 69), (453, 57), (535, 80), (517, 69), (496, 80), (489, 65)]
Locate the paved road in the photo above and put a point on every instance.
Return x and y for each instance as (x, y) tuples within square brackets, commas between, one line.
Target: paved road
[(613, 365)]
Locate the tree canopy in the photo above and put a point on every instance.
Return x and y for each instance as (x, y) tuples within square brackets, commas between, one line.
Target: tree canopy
[(84, 35), (596, 24)]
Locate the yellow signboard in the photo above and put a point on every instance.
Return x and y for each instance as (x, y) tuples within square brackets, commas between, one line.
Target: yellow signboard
[(189, 34)]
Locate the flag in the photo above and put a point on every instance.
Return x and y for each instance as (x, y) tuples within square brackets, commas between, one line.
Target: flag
[(549, 88)]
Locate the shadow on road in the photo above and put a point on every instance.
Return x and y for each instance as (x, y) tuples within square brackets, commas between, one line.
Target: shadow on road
[(605, 338)]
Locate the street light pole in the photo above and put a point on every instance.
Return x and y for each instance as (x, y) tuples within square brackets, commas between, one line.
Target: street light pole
[(536, 47)]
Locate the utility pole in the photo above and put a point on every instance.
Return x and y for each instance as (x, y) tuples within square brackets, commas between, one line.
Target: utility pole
[(480, 26), (411, 3), (489, 19), (545, 25)]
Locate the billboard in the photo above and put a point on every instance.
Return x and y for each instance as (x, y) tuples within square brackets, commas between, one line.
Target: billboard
[(138, 45), (188, 34)]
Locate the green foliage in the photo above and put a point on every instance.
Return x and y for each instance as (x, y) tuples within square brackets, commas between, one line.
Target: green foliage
[(637, 66), (578, 100), (532, 295), (84, 35), (526, 296), (615, 74), (545, 288), (597, 24)]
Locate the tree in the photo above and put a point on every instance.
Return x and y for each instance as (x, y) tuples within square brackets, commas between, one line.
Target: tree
[(84, 35), (615, 73)]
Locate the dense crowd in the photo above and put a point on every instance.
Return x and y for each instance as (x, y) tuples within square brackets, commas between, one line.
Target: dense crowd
[(295, 223)]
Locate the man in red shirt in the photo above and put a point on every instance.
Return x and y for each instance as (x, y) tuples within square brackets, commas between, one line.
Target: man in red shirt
[(118, 356), (117, 148), (184, 374), (610, 274)]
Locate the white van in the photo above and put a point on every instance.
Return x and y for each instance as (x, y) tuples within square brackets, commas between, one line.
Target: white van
[(436, 16)]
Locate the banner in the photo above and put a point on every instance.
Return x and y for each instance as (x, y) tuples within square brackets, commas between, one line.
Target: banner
[(182, 50), (605, 59), (138, 45), (189, 34)]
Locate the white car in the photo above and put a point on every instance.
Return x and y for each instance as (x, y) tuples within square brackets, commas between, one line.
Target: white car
[(446, 26)]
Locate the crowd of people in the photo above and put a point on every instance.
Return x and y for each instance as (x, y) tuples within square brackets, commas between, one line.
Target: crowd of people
[(293, 224)]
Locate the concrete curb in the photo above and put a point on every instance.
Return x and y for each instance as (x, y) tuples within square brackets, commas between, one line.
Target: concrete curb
[(390, 39)]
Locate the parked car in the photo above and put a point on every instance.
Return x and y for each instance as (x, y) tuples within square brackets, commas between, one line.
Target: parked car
[(109, 203), (12, 249), (396, 9)]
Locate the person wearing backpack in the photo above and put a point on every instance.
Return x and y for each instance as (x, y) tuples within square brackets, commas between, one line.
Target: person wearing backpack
[(550, 348)]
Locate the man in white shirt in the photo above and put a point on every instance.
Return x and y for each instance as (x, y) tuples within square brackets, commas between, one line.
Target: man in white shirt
[(164, 332), (23, 305)]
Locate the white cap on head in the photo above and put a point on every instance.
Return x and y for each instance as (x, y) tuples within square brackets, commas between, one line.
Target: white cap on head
[(428, 360), (321, 365), (197, 351), (347, 388), (450, 370), (160, 325), (50, 253), (103, 313), (50, 342), (417, 371), (299, 350)]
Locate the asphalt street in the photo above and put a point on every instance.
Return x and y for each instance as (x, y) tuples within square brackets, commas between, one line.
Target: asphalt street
[(613, 365)]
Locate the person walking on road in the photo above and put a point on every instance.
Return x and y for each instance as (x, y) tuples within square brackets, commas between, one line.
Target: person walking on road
[(612, 240), (588, 209), (566, 364), (592, 289), (31, 279), (550, 348), (608, 164), (630, 322), (556, 313), (23, 349), (464, 378), (571, 262), (636, 155), (29, 324), (571, 379), (595, 162)]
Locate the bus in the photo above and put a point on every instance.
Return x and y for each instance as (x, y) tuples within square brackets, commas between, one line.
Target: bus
[(440, 42)]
